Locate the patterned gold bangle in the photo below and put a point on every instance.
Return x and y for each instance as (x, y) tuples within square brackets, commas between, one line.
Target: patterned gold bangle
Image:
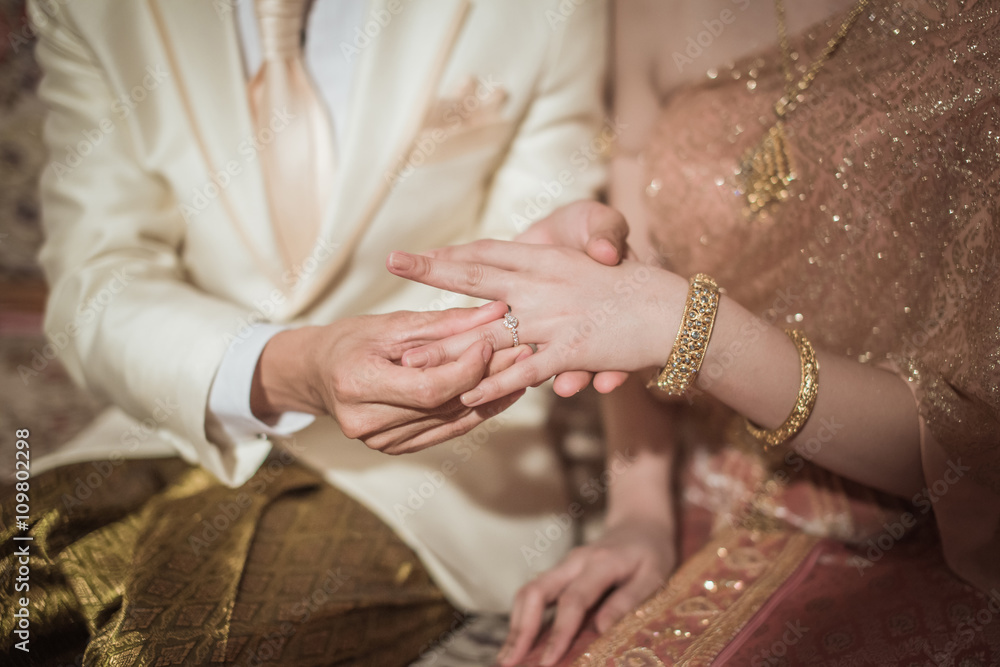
[(808, 390), (692, 339)]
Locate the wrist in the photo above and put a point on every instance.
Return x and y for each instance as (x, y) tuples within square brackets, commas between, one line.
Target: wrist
[(659, 511), (284, 378), (668, 292), (642, 492)]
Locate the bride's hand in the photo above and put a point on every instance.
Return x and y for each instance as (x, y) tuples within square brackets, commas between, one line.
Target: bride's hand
[(581, 315), (601, 232), (609, 577)]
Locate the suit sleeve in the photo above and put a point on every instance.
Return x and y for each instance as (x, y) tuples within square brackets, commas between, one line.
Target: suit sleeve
[(129, 325), (559, 153)]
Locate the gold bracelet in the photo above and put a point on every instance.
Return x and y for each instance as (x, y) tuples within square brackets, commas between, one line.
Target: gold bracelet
[(808, 390), (692, 339)]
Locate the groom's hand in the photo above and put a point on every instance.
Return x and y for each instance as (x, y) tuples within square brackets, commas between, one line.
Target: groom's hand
[(350, 370)]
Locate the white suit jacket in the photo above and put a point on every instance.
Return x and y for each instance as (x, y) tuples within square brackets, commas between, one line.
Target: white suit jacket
[(468, 118)]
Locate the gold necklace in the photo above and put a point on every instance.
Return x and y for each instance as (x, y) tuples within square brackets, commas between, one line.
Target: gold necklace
[(765, 171)]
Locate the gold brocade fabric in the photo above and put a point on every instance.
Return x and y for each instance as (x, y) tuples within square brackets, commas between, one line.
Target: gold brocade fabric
[(147, 562), (888, 248)]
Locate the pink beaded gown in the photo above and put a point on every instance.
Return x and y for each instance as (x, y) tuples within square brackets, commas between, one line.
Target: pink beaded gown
[(886, 250)]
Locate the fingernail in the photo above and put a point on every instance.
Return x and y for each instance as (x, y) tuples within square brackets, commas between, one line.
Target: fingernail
[(472, 397), (400, 261), (417, 360), (549, 657), (487, 353), (524, 354)]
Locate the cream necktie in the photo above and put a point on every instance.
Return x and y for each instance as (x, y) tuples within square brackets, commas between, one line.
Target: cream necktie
[(298, 163)]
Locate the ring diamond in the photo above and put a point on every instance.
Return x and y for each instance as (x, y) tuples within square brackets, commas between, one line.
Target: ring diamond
[(510, 322)]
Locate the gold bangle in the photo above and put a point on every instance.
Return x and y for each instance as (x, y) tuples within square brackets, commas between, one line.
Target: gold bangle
[(692, 339), (804, 403)]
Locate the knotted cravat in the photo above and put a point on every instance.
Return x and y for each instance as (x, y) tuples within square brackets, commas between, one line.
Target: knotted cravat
[(297, 158)]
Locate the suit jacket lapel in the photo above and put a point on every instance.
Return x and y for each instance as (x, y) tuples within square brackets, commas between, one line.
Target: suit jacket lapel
[(203, 49), (396, 83)]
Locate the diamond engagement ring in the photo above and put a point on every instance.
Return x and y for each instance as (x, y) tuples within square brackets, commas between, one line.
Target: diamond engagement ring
[(510, 322)]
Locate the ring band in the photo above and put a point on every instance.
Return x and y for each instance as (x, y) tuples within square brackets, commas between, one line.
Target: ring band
[(510, 322)]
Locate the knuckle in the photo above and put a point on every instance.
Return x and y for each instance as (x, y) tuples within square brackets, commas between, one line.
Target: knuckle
[(483, 245), (602, 553), (614, 610), (474, 276), (491, 387), (346, 387), (492, 338), (376, 443), (405, 322), (596, 211), (422, 266), (425, 396), (354, 429), (531, 593), (527, 374), (571, 600), (436, 355)]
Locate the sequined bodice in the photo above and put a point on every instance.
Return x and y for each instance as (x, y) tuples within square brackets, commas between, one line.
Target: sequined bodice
[(889, 246)]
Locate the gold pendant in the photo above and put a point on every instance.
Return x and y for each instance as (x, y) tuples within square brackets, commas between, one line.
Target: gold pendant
[(765, 171)]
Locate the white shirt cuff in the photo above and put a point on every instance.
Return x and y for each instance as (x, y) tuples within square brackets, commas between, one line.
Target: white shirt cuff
[(229, 399)]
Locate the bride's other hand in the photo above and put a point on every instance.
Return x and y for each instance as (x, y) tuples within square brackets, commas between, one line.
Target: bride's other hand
[(581, 315), (609, 577), (637, 551)]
